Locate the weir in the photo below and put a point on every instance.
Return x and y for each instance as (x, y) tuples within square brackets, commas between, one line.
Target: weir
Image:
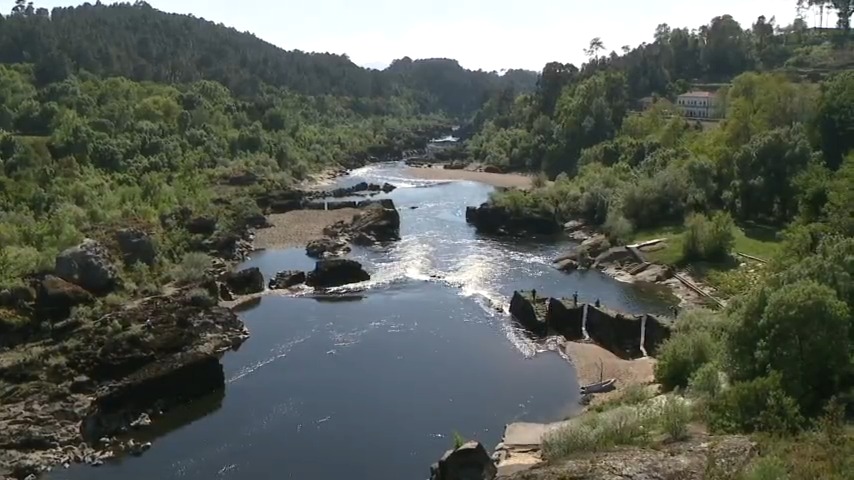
[(627, 336)]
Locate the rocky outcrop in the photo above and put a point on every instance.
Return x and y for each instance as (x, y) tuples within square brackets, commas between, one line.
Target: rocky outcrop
[(522, 308), (144, 358), (378, 222), (492, 219), (595, 245), (336, 272), (565, 319), (388, 188), (492, 169), (468, 462), (88, 265), (287, 279), (715, 457), (323, 247), (136, 246), (55, 297), (201, 225), (245, 282)]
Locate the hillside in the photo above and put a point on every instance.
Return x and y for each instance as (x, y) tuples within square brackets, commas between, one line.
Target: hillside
[(141, 43)]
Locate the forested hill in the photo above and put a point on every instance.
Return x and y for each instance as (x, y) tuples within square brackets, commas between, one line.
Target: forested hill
[(141, 43)]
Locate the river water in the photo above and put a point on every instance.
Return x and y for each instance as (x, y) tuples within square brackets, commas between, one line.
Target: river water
[(373, 384)]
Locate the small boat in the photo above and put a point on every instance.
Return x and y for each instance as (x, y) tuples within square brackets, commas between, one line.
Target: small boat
[(599, 387)]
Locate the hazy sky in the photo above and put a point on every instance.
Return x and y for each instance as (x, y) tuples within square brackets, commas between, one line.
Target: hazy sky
[(487, 34)]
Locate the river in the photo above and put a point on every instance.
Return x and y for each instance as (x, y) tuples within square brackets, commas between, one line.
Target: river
[(374, 383)]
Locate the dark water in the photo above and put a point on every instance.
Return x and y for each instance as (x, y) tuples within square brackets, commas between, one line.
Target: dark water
[(373, 384)]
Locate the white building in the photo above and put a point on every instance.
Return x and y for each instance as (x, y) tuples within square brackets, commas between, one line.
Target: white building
[(699, 105)]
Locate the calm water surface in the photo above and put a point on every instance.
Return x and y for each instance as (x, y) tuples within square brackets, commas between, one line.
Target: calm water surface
[(374, 384)]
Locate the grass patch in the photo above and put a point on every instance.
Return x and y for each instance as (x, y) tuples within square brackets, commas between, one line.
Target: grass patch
[(758, 241), (634, 394), (619, 426)]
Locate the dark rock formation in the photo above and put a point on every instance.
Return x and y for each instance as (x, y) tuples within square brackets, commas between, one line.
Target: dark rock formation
[(379, 222), (565, 319), (17, 296), (336, 272), (492, 219), (492, 169), (688, 460), (388, 188), (88, 265), (55, 297), (287, 279), (567, 265), (280, 201), (455, 166), (201, 225), (469, 462), (136, 246), (524, 311), (285, 206), (242, 179), (322, 247), (141, 359), (245, 282)]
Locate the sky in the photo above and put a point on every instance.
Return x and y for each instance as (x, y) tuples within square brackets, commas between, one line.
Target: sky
[(480, 34)]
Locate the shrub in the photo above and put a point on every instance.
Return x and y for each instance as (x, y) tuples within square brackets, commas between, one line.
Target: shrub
[(757, 405), (706, 382), (682, 355), (767, 468), (459, 441), (618, 229), (708, 239), (540, 180), (675, 416), (200, 297), (192, 268)]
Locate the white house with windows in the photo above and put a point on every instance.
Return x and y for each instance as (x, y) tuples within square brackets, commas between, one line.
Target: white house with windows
[(699, 105)]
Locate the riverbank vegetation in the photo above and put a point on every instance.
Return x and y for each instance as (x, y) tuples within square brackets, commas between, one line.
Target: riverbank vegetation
[(772, 179)]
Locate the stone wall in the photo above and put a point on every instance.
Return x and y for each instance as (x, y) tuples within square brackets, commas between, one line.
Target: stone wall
[(524, 311), (565, 319), (618, 333)]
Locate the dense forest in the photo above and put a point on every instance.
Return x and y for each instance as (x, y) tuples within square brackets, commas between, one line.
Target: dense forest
[(143, 44), (123, 113), (778, 360)]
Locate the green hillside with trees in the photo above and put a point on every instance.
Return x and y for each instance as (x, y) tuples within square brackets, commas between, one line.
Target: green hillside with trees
[(778, 361)]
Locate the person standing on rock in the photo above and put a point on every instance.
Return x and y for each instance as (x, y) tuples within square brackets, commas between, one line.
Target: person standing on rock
[(575, 299), (534, 295), (597, 303)]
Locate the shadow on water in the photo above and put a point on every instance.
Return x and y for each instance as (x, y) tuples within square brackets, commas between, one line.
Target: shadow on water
[(332, 298)]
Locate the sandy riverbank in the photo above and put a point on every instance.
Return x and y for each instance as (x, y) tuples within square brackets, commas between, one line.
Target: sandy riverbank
[(495, 179), (593, 364), (296, 228)]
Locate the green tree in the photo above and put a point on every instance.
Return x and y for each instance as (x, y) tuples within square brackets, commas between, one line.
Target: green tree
[(835, 119), (800, 330), (596, 46)]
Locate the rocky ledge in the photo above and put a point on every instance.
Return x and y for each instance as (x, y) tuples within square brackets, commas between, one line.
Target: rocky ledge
[(64, 396)]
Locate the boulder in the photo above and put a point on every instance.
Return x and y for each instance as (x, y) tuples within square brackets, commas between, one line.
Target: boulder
[(573, 225), (322, 246), (596, 244), (468, 462), (388, 188), (56, 297), (654, 273), (88, 265), (492, 169), (136, 246), (287, 279), (336, 272), (245, 282), (567, 265), (492, 219), (378, 222), (16, 296), (201, 225)]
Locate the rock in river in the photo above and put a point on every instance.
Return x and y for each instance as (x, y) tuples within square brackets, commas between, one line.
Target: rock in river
[(336, 272), (320, 247), (492, 219), (88, 265), (469, 462), (379, 222), (245, 282), (287, 279)]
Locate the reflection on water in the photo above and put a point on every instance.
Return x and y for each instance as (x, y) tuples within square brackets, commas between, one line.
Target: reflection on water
[(395, 365)]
